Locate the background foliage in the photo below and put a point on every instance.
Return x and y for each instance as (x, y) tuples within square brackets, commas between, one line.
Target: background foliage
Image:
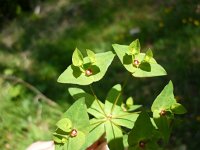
[(37, 39)]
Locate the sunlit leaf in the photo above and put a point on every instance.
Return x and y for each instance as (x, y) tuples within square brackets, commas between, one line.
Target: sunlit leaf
[(94, 135), (75, 143), (113, 98), (165, 99), (92, 105), (144, 69), (64, 124), (74, 75), (114, 135), (77, 58), (91, 55), (74, 112), (129, 101), (134, 47), (148, 55)]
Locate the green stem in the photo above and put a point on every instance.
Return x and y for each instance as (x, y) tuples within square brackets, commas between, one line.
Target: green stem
[(118, 96), (97, 100)]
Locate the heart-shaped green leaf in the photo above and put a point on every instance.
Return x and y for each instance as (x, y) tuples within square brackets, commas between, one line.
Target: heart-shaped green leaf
[(92, 73), (77, 58)]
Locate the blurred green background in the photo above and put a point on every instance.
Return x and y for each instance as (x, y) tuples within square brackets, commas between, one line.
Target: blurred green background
[(37, 39)]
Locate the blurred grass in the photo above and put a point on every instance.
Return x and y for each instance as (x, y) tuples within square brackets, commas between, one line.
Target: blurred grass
[(37, 47)]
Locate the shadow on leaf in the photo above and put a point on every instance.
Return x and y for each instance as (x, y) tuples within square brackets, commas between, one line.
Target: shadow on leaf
[(145, 66), (127, 59), (95, 69), (116, 144), (76, 71)]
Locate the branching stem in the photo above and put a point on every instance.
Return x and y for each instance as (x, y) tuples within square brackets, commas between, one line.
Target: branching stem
[(97, 100), (118, 96)]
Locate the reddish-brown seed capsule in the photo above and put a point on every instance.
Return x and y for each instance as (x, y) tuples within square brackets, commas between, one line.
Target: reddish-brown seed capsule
[(141, 144), (73, 133), (88, 72), (163, 112), (136, 63)]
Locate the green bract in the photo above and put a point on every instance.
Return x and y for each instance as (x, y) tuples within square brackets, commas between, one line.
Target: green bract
[(163, 108), (97, 64), (77, 58), (147, 67), (122, 123), (72, 121), (134, 48)]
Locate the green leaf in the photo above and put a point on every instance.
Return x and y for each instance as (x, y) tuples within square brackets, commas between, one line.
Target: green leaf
[(165, 99), (60, 136), (59, 147), (134, 47), (113, 133), (94, 135), (134, 107), (163, 126), (178, 109), (59, 139), (113, 98), (92, 105), (149, 70), (75, 143), (142, 130), (77, 58), (148, 55), (145, 69), (64, 124), (91, 55), (125, 119), (129, 101), (74, 112), (73, 74)]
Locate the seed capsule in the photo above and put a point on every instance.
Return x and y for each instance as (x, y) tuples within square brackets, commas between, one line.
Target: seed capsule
[(141, 144), (88, 72), (163, 112), (73, 133), (136, 63)]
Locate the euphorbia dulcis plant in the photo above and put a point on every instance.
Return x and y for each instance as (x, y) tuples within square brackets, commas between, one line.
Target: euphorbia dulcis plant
[(124, 124)]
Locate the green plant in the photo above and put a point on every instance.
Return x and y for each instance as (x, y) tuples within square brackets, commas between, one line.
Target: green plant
[(124, 124)]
